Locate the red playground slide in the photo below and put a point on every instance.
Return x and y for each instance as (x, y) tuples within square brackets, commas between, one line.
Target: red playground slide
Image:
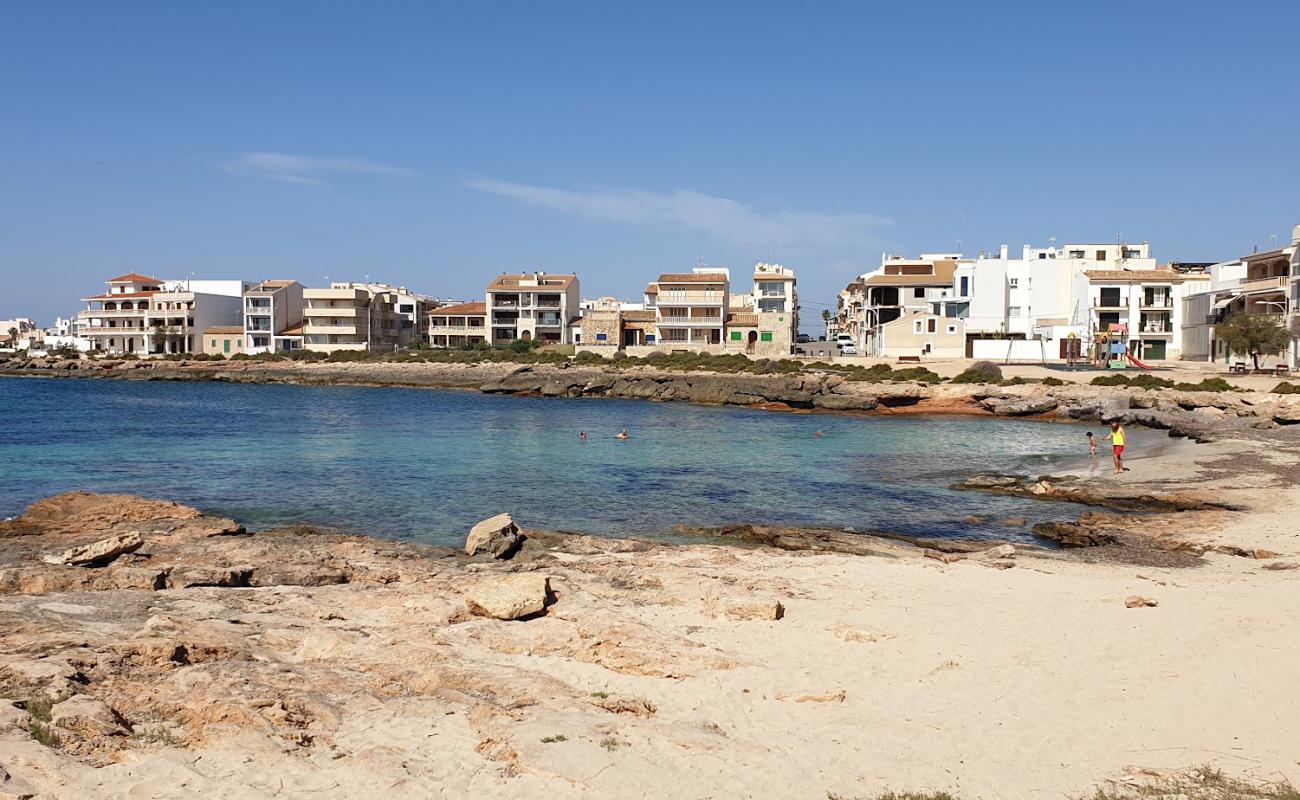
[(1136, 362)]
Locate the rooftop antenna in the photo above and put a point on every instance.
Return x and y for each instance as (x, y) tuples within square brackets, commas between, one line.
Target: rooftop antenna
[(1272, 237), (1051, 242), (959, 247)]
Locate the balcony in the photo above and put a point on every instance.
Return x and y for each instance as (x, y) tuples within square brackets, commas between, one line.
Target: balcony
[(314, 328), (1157, 302), (690, 298), (690, 322), (1265, 284), (334, 311), (1110, 303), (455, 330), (550, 322)]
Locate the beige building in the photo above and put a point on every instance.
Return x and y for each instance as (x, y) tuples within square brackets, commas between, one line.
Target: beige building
[(349, 316), (458, 325), (532, 306), (690, 307), (223, 340), (901, 287), (114, 321), (923, 334)]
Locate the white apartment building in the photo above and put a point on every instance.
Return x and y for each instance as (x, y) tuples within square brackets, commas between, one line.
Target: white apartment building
[(1149, 303), (776, 292), (348, 316), (690, 308), (532, 306), (273, 317), (144, 315)]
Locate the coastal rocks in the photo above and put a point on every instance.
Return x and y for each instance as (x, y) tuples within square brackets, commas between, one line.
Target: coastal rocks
[(760, 610), (1069, 489), (1138, 601), (99, 552), (497, 536), (510, 597), (87, 716), (1073, 534), (845, 402), (990, 481), (1001, 551), (1020, 406), (942, 557)]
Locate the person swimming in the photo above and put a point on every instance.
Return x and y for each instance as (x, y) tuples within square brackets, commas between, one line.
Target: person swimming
[(582, 435), (623, 434), (818, 434)]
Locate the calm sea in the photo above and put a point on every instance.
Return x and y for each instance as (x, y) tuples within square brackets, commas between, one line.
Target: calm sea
[(426, 465)]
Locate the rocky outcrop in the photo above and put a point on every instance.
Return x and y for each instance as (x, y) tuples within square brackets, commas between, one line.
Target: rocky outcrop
[(100, 552), (510, 597), (496, 536), (1070, 489), (1203, 416)]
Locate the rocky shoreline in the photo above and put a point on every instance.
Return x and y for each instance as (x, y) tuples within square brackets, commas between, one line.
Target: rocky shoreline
[(149, 649), (1200, 415)]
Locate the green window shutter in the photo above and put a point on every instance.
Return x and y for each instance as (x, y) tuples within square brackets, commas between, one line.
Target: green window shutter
[(765, 336), (735, 336)]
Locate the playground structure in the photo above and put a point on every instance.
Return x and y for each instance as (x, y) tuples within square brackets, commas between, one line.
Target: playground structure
[(1110, 349)]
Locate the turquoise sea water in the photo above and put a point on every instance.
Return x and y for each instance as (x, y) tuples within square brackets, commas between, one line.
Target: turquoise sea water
[(426, 465)]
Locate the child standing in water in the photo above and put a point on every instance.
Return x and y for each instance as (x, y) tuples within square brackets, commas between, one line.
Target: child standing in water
[(1118, 438), (1092, 445)]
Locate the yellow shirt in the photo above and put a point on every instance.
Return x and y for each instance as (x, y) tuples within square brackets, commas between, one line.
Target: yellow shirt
[(1117, 436)]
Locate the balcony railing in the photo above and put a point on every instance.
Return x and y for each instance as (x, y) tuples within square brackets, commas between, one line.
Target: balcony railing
[(691, 322), (1263, 284), (1103, 303), (1157, 302)]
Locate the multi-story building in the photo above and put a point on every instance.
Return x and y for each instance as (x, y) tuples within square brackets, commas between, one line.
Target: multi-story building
[(349, 316), (143, 315), (690, 307), (776, 292), (901, 287), (20, 333), (458, 325), (1265, 283), (273, 317), (532, 306), (1147, 302)]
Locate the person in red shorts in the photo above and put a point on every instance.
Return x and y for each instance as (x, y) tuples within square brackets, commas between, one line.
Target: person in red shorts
[(1118, 438)]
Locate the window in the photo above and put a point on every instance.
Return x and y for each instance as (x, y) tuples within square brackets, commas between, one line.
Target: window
[(952, 330), (1014, 282), (1042, 256), (214, 344), (765, 336), (1101, 255), (735, 336), (1013, 311), (650, 338), (931, 325), (225, 345), (406, 308), (918, 292), (916, 326), (602, 337), (1076, 254), (965, 286)]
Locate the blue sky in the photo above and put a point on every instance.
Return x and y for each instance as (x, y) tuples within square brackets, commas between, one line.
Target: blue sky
[(434, 145)]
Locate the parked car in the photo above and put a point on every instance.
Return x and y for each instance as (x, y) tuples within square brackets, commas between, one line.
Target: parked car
[(803, 338), (848, 350)]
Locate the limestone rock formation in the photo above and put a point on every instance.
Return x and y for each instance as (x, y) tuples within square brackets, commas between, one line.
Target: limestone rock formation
[(510, 597), (497, 536), (102, 551)]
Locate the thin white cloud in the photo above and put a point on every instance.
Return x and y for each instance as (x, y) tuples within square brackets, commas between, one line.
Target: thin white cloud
[(726, 219), (306, 170)]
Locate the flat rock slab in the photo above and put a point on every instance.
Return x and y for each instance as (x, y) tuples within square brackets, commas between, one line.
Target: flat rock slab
[(510, 597), (102, 550)]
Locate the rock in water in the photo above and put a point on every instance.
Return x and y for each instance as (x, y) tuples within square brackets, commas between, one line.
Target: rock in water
[(498, 536), (510, 596), (102, 550)]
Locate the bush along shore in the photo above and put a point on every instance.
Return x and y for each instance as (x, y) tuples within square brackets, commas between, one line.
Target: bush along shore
[(1201, 411)]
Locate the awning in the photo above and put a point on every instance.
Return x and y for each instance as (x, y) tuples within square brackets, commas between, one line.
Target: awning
[(1223, 303)]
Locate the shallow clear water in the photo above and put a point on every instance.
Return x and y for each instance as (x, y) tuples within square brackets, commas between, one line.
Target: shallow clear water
[(426, 465)]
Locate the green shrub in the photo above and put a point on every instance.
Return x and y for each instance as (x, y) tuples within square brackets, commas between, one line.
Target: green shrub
[(1144, 381), (1286, 388), (979, 372), (241, 357), (916, 374), (1051, 381), (588, 358), (1115, 379), (1207, 385)]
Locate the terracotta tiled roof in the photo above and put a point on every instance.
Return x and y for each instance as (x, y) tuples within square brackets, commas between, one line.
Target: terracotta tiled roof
[(942, 276), (133, 277), (510, 283), (460, 309), (1135, 275), (652, 289), (693, 277), (224, 329)]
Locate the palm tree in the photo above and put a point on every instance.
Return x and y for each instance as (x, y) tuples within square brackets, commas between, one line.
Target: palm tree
[(13, 338)]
